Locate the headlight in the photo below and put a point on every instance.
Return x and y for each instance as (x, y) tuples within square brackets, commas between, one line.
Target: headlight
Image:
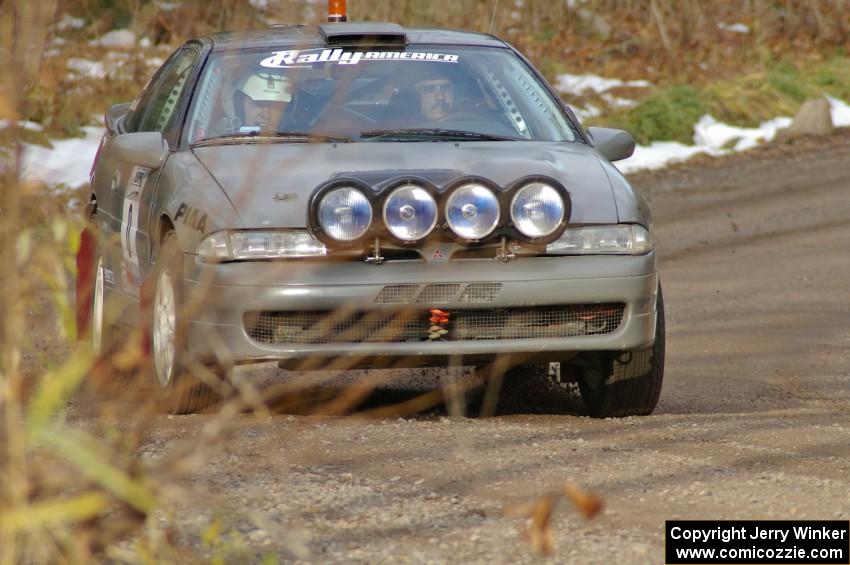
[(345, 214), (537, 210), (624, 239), (246, 245), (410, 212), (215, 246), (472, 211)]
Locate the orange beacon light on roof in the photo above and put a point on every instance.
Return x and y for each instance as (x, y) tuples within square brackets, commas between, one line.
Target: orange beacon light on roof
[(336, 11)]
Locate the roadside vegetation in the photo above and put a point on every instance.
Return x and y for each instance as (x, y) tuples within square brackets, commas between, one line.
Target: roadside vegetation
[(670, 112), (73, 494), (742, 62)]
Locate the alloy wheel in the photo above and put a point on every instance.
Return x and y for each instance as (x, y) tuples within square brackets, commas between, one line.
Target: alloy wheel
[(97, 309), (164, 329)]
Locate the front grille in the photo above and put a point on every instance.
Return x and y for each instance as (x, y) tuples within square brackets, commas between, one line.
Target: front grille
[(336, 327), (528, 323), (435, 293), (385, 326)]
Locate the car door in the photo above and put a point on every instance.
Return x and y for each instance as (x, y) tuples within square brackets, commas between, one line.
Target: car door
[(132, 185)]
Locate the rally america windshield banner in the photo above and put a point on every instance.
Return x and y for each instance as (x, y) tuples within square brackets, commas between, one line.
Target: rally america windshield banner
[(306, 58)]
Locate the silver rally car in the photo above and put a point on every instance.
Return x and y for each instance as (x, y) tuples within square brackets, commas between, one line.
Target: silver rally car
[(363, 194)]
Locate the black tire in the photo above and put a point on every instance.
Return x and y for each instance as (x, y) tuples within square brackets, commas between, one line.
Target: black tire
[(523, 389), (177, 390), (634, 385)]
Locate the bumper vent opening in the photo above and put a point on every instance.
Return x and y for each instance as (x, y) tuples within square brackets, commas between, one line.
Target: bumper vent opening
[(388, 326), (397, 294), (478, 293)]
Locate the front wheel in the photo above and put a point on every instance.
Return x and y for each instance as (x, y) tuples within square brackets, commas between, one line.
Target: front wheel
[(633, 386), (97, 318), (178, 392)]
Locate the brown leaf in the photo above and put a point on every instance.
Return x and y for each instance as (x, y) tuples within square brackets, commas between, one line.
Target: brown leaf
[(540, 529), (587, 503)]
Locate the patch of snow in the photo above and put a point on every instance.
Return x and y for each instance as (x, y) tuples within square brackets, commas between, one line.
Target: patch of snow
[(515, 15), (715, 135), (659, 154), (155, 61), (589, 111), (577, 84), (169, 6), (58, 41), (117, 38), (68, 162), (68, 22), (712, 138), (734, 28), (840, 112), (85, 67), (145, 42), (616, 102), (259, 4), (25, 124), (715, 138)]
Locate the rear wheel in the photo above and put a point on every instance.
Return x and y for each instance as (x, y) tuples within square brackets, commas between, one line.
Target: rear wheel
[(632, 387), (178, 391)]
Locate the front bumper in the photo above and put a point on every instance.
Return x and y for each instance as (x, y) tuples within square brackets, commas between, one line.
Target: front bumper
[(220, 295)]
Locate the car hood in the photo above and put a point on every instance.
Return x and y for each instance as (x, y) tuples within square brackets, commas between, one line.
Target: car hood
[(270, 184)]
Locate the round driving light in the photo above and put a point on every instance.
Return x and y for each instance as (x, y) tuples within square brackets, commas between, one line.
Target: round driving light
[(537, 210), (410, 212), (472, 211), (345, 214)]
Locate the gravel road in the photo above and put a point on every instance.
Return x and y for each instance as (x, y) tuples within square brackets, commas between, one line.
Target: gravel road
[(753, 419)]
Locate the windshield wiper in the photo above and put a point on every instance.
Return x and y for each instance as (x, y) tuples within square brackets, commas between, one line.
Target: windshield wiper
[(435, 133), (252, 136)]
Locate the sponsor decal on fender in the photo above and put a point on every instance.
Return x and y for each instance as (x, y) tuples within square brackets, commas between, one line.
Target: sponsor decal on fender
[(138, 176), (297, 58), (192, 217)]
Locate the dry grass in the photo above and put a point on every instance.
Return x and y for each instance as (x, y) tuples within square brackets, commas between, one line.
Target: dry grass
[(739, 76)]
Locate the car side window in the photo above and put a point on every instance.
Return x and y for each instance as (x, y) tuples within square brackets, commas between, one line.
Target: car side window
[(157, 106)]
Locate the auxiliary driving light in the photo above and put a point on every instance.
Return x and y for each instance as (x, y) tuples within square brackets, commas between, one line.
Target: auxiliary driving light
[(410, 212), (537, 210), (345, 214), (472, 211)]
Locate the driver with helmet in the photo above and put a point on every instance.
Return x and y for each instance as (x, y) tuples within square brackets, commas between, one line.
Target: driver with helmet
[(261, 100)]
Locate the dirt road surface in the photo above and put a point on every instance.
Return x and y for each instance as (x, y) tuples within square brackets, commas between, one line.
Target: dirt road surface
[(754, 418)]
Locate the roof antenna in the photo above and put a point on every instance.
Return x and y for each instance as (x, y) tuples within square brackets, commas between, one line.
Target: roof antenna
[(493, 19), (336, 11)]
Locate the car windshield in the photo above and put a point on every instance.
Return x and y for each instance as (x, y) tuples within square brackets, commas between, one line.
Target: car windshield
[(416, 93)]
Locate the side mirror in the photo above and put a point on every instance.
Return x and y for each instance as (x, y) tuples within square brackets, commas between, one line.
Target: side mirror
[(115, 113), (614, 144), (145, 148)]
